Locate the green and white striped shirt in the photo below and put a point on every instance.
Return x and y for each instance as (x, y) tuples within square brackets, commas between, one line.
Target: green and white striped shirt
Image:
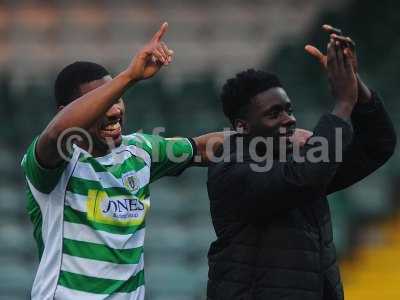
[(89, 217)]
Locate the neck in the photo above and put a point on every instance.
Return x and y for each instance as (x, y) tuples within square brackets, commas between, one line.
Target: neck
[(100, 152), (96, 149)]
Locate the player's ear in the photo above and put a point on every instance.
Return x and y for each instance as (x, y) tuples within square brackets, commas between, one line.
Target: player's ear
[(241, 126)]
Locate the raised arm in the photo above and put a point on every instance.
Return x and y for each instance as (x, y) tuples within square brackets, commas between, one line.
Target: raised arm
[(84, 112), (373, 144), (374, 136)]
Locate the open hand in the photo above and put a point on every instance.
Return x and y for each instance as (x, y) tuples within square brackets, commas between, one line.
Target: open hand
[(349, 50), (347, 42), (341, 75), (149, 60)]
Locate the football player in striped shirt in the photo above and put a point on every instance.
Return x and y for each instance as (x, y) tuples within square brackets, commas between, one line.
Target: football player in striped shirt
[(88, 205)]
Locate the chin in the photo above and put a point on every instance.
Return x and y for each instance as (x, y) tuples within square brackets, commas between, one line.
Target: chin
[(108, 143), (113, 142), (118, 142)]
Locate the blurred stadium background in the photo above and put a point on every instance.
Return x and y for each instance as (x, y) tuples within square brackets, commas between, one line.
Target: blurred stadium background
[(212, 40)]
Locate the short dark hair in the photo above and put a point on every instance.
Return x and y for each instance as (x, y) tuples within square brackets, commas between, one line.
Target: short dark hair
[(68, 81), (238, 92)]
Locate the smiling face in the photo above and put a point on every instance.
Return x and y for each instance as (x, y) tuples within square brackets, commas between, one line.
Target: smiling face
[(107, 130), (270, 114)]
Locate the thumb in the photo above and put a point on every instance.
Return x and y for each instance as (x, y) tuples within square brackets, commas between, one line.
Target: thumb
[(314, 52), (160, 33)]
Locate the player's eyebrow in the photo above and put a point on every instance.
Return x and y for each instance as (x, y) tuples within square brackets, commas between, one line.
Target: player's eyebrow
[(276, 107)]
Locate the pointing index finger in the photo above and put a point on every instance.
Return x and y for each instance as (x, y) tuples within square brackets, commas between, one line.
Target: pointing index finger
[(160, 33)]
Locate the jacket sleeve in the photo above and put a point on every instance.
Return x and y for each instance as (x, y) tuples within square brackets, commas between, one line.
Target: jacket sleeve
[(289, 184), (373, 144)]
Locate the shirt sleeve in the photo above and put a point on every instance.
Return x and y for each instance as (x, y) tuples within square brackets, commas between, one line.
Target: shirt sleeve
[(44, 180), (373, 144), (169, 156)]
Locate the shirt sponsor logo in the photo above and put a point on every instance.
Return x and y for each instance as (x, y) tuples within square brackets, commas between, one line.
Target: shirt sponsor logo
[(124, 208), (122, 212)]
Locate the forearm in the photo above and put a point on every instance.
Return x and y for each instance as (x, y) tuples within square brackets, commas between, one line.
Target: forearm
[(321, 155), (373, 128), (86, 110), (345, 111), (373, 144), (81, 113), (207, 146), (374, 131)]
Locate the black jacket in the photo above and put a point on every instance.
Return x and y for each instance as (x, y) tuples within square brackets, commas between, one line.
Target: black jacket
[(274, 232)]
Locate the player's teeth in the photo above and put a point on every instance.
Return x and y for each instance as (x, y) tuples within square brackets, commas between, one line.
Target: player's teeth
[(112, 126)]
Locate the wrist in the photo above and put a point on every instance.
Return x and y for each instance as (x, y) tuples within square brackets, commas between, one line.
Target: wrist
[(364, 93), (343, 110), (128, 77)]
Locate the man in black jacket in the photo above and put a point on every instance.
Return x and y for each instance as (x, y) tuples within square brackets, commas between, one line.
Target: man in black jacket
[(271, 215)]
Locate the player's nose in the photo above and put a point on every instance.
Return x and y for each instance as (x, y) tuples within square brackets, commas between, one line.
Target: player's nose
[(288, 120)]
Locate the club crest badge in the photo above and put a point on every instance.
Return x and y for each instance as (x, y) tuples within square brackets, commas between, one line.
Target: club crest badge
[(131, 182)]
